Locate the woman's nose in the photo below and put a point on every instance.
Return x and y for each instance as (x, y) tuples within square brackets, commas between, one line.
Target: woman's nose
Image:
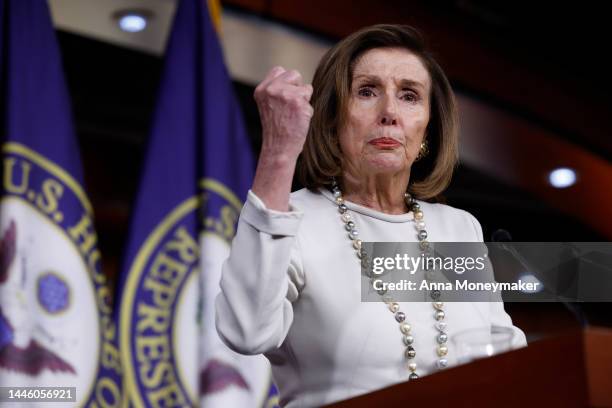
[(388, 113)]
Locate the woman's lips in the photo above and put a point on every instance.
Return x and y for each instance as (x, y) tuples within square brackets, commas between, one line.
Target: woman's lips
[(384, 143)]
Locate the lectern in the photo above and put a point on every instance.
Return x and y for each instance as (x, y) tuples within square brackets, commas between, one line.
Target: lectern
[(570, 370)]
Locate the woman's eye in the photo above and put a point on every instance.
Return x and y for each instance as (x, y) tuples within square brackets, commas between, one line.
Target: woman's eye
[(410, 97), (366, 91)]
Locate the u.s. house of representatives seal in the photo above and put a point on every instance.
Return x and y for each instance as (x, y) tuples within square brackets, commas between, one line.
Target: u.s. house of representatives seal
[(55, 316), (170, 347)]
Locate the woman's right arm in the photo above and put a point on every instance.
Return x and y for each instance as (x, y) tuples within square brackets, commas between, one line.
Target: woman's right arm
[(263, 275), (260, 280)]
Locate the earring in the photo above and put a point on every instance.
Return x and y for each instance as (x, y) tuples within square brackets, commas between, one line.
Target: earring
[(423, 151)]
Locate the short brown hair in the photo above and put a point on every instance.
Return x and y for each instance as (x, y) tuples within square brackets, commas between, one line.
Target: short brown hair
[(320, 159)]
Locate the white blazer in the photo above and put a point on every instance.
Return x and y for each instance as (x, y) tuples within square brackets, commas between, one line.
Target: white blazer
[(291, 289)]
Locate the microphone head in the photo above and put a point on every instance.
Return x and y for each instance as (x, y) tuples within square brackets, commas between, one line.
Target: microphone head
[(501, 235)]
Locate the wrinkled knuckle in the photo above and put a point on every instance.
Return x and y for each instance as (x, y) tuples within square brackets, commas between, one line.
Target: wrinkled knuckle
[(273, 91), (285, 95), (276, 69)]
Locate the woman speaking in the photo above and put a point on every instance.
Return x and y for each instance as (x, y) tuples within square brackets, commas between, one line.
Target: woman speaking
[(374, 141)]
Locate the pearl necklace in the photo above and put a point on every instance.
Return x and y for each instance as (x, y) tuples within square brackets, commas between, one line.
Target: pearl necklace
[(400, 317)]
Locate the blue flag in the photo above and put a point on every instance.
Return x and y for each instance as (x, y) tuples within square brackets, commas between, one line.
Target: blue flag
[(197, 171), (56, 324)]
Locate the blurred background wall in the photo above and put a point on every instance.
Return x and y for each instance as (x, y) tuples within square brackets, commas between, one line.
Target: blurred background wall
[(532, 81)]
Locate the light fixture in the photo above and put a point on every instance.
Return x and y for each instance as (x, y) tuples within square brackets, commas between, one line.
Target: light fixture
[(529, 278), (562, 177), (132, 21)]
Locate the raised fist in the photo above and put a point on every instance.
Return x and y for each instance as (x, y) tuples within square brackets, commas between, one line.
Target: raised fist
[(284, 107)]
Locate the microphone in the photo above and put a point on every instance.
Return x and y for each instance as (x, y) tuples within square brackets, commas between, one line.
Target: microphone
[(502, 236)]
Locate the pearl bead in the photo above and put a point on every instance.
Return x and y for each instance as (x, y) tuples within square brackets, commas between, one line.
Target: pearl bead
[(441, 326), (339, 200), (349, 225), (442, 363), (342, 208), (435, 294), (420, 225), (442, 351), (394, 307), (416, 206), (424, 245), (365, 262), (408, 340), (410, 353), (346, 217), (357, 244), (336, 192), (418, 215), (405, 328), (439, 315), (412, 367), (400, 317), (353, 234), (422, 234), (381, 291), (442, 338), (413, 376), (438, 305)]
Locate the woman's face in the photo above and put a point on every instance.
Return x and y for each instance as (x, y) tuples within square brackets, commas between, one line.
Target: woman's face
[(388, 112)]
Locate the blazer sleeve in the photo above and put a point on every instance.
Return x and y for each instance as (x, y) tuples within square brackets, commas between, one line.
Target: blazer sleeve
[(260, 279), (499, 316)]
